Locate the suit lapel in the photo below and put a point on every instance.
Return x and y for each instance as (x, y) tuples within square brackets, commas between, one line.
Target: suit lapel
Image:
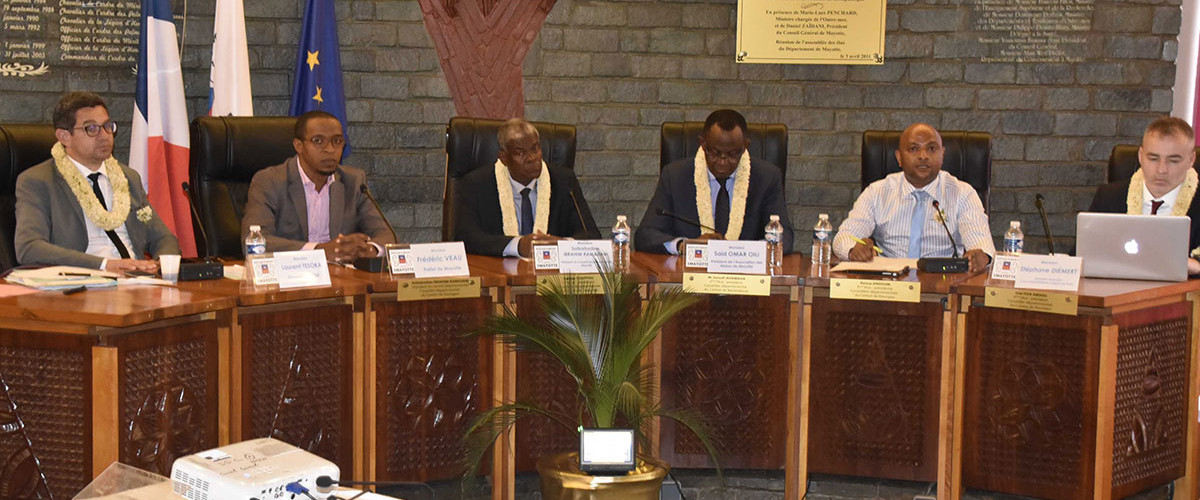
[(65, 192), (337, 197), (296, 193)]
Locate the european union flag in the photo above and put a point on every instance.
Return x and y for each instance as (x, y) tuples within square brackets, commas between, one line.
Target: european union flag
[(318, 82)]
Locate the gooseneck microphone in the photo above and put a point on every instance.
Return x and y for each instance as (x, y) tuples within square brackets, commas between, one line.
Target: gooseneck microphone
[(363, 189), (953, 264), (579, 212), (684, 220), (187, 193), (1037, 201)]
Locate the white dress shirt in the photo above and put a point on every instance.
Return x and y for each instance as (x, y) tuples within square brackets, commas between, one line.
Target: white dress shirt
[(1167, 199), (884, 211), (98, 242)]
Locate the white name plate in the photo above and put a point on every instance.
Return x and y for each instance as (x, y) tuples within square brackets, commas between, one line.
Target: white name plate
[(262, 270), (302, 268), (439, 260), (1004, 267), (400, 260), (545, 257), (1049, 272), (737, 257), (584, 256), (696, 255)]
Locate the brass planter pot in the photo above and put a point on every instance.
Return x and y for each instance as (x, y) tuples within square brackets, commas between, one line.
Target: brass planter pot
[(562, 480)]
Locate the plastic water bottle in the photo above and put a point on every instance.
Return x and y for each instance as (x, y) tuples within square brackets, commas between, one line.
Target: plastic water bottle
[(256, 244), (822, 247), (773, 233), (1014, 239), (620, 238)]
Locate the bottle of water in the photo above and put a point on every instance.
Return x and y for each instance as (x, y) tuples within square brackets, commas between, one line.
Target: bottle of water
[(822, 247), (773, 233), (620, 238), (1014, 239), (256, 244)]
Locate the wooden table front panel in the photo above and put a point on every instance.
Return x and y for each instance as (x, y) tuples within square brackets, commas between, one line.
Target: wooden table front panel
[(432, 381), (45, 414), (1029, 418), (1151, 413), (875, 371), (543, 381), (727, 357), (297, 379), (167, 393)]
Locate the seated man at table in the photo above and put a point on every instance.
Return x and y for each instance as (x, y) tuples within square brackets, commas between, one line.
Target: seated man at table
[(897, 213), (721, 193), (1164, 183), (312, 201), (81, 207), (501, 209)]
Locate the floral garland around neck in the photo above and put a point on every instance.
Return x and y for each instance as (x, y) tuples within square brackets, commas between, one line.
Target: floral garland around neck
[(107, 220), (1137, 184), (508, 213), (737, 201)]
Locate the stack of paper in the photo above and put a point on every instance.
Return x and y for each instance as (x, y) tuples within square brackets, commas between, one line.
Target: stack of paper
[(62, 277)]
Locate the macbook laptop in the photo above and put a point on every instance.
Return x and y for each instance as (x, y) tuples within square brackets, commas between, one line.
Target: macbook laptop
[(1140, 247)]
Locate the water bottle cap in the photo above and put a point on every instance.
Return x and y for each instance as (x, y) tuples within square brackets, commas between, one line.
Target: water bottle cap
[(823, 216), (620, 218), (1016, 224), (774, 218), (255, 227)]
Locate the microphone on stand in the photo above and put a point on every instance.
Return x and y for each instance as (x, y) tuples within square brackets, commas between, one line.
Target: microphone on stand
[(687, 221), (187, 193), (1037, 201), (579, 212), (953, 264), (373, 264)]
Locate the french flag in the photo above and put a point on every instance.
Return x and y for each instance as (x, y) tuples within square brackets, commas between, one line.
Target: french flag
[(159, 144)]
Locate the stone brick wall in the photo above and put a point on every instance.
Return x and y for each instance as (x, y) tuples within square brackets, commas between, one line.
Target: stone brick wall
[(617, 69)]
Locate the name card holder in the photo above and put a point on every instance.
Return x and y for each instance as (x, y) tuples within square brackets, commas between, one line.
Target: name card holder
[(439, 260), (1032, 300), (438, 289), (545, 255), (399, 258), (576, 284), (262, 269), (727, 284), (880, 290), (695, 252), (302, 268), (737, 257)]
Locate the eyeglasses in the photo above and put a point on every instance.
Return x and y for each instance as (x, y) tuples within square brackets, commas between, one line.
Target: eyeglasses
[(93, 129), (320, 142), (726, 156)]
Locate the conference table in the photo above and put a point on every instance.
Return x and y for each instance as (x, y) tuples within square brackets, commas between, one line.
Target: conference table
[(383, 380)]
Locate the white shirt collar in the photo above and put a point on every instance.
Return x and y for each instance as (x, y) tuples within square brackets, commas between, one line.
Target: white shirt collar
[(517, 186), (1167, 199), (83, 170), (308, 182)]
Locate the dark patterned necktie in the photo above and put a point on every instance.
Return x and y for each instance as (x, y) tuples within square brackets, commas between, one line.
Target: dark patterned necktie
[(721, 212), (1155, 205), (526, 212)]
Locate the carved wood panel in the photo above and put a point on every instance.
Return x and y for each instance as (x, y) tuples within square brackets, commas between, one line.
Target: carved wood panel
[(875, 373), (727, 358), (543, 381), (1030, 402), (45, 414), (432, 380), (297, 368), (167, 393), (1150, 421)]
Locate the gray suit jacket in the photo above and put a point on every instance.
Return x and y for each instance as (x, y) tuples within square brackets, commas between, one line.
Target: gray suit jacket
[(276, 202), (51, 228)]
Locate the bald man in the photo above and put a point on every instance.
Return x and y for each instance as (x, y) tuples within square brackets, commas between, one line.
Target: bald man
[(897, 213)]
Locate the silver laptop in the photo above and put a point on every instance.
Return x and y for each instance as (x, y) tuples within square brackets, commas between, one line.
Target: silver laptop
[(1140, 247)]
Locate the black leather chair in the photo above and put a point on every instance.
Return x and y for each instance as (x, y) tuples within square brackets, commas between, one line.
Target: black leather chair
[(680, 140), (21, 146), (226, 153), (968, 157), (1123, 162), (471, 143)]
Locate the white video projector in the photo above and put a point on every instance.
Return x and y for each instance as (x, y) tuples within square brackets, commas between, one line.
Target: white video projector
[(257, 469)]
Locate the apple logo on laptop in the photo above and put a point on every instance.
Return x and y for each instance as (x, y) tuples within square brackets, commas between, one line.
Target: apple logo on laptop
[(1131, 247)]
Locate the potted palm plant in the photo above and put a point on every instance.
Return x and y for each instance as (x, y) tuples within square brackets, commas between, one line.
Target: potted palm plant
[(599, 341)]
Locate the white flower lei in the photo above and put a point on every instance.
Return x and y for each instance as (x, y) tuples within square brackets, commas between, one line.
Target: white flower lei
[(107, 220), (1137, 184), (508, 213), (737, 200)]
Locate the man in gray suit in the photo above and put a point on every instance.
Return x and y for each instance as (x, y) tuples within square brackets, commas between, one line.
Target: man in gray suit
[(81, 207), (311, 201)]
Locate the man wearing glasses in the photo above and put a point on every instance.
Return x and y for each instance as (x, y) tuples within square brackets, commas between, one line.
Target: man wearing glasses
[(501, 208), (312, 201), (731, 195), (81, 207)]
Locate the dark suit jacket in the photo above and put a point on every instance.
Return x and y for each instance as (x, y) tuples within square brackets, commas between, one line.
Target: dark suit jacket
[(1110, 198), (276, 202), (480, 226), (676, 193), (51, 228)]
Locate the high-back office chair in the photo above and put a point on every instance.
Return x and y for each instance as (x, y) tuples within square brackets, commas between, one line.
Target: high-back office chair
[(471, 143), (968, 157), (1123, 162), (679, 140), (21, 146), (226, 153)]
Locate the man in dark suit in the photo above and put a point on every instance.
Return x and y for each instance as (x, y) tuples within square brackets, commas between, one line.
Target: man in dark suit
[(312, 201), (83, 208), (732, 195), (502, 208), (1164, 183)]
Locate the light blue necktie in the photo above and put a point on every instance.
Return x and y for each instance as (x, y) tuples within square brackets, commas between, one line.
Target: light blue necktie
[(918, 225)]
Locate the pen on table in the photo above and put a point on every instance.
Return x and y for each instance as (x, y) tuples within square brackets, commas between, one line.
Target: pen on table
[(861, 242), (75, 274), (75, 290)]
